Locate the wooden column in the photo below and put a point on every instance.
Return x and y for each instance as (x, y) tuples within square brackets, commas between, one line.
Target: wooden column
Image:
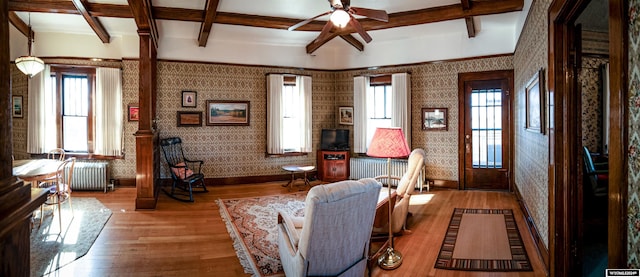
[(146, 170), (16, 199)]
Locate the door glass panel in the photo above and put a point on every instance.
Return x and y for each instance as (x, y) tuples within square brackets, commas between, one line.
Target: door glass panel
[(486, 128)]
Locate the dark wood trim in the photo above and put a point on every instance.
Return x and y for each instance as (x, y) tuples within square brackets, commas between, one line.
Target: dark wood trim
[(400, 19), (20, 25), (542, 250), (618, 133), (564, 145), (480, 76), (94, 23), (210, 10), (443, 184), (143, 15), (471, 26)]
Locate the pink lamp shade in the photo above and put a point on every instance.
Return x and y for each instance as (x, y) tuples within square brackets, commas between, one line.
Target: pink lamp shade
[(388, 143)]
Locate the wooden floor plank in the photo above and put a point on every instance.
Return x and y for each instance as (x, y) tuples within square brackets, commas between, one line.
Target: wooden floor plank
[(190, 239)]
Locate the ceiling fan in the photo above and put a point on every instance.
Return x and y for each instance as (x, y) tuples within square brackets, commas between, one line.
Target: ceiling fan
[(342, 14)]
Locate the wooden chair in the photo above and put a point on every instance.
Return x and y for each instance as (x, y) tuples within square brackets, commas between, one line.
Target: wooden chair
[(57, 151), (59, 189), (186, 174)]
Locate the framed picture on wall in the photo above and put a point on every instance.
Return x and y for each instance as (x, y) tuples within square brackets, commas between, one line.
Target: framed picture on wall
[(534, 97), (189, 119), (189, 99), (227, 113), (16, 106), (133, 112), (345, 115), (434, 119)]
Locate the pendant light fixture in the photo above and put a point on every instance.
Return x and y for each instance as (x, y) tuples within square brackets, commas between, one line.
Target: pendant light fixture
[(30, 65)]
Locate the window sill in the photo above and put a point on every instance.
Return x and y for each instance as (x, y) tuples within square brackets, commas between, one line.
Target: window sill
[(289, 154)]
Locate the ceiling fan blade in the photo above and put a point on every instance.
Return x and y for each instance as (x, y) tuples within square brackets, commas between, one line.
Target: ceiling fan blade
[(325, 31), (379, 15), (356, 25), (301, 23)]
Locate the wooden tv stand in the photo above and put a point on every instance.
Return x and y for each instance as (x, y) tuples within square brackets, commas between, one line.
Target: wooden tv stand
[(333, 166)]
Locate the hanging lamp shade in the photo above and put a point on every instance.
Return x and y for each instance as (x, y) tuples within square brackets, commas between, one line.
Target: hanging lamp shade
[(30, 65)]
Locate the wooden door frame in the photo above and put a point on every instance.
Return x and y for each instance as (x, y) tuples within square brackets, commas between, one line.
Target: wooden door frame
[(563, 145), (483, 76)]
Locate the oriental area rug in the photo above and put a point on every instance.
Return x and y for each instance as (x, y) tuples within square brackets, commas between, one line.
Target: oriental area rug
[(53, 247), (252, 223), (483, 240)]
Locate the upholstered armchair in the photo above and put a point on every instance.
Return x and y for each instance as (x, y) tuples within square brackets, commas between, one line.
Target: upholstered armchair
[(332, 239), (405, 188)]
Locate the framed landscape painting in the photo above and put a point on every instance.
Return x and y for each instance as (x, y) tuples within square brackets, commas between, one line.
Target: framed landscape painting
[(434, 119), (227, 113), (534, 97)]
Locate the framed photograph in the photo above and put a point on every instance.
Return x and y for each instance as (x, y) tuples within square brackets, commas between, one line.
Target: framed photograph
[(16, 104), (534, 97), (434, 119), (133, 112), (189, 99), (345, 115), (189, 119), (227, 113)]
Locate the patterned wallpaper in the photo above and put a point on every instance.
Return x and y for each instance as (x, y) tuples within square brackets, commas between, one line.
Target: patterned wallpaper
[(591, 82), (531, 155), (433, 85), (19, 84), (227, 151), (633, 212)]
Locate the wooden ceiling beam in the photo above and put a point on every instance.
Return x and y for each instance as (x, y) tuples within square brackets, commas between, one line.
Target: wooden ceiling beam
[(142, 13), (20, 25), (315, 44), (400, 19), (353, 41), (94, 23), (471, 27), (210, 10)]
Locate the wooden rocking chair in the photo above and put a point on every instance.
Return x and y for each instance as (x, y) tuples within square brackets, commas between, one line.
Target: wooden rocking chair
[(186, 174)]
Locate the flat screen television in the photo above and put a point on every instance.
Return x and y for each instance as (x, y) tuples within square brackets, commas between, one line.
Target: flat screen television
[(334, 140)]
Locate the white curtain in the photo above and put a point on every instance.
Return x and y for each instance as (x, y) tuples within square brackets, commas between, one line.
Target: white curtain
[(108, 107), (304, 85), (275, 82), (401, 104), (360, 85), (41, 116)]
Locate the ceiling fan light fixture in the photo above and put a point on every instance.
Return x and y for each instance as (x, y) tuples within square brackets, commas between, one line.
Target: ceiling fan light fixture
[(340, 18), (30, 65)]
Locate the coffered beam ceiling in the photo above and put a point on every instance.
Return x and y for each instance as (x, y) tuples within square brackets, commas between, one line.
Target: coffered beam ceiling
[(210, 10), (210, 15), (471, 27), (94, 23), (20, 25), (142, 12)]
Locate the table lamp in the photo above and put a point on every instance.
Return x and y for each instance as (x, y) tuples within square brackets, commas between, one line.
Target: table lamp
[(389, 143)]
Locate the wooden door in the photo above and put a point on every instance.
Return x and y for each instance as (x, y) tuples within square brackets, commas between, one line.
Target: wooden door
[(486, 130)]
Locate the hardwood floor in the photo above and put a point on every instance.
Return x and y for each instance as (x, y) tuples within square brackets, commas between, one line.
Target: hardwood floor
[(190, 239)]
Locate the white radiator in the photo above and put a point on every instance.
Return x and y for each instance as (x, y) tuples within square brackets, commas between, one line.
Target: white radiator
[(372, 167), (90, 175)]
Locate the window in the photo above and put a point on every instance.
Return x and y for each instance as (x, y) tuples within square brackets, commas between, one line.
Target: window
[(74, 108), (379, 108), (380, 101), (77, 109), (289, 114)]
